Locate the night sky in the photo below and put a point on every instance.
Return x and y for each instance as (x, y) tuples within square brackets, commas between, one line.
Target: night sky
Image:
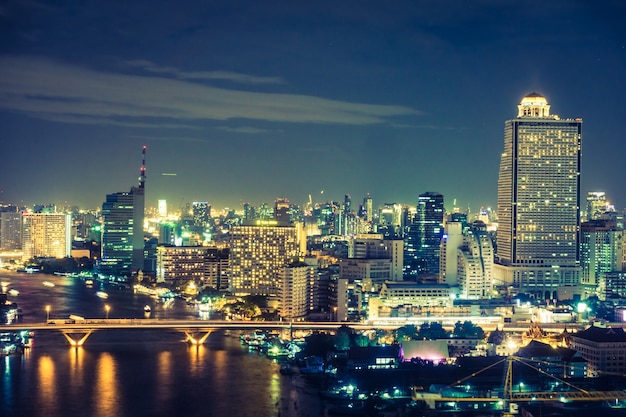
[(247, 101)]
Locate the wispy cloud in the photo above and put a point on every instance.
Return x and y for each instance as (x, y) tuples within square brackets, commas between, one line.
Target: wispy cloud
[(243, 129), (204, 75), (88, 120), (45, 88)]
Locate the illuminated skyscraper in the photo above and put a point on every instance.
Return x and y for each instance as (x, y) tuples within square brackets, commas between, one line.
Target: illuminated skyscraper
[(46, 235), (258, 251), (122, 229), (538, 201), (201, 213)]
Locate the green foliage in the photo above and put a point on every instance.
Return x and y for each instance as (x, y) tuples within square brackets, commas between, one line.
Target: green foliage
[(432, 331), (406, 333), (467, 329)]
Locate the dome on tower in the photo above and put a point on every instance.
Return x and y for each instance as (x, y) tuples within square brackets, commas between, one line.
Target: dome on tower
[(533, 105), (534, 99)]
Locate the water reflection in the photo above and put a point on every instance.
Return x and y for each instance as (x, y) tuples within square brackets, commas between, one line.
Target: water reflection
[(164, 377), (106, 393), (77, 371), (47, 398)]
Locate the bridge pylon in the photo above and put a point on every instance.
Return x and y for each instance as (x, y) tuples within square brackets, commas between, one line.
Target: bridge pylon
[(74, 342), (197, 338)]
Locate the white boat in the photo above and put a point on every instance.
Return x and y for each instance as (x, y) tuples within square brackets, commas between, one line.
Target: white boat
[(102, 294), (13, 292), (89, 282), (147, 308), (48, 284)]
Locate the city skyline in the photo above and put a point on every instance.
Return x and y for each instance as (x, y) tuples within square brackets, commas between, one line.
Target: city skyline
[(254, 102)]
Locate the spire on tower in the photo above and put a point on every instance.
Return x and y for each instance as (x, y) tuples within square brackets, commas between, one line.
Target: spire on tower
[(142, 174)]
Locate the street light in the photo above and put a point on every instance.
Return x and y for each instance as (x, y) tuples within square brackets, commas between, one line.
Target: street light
[(107, 308), (48, 313)]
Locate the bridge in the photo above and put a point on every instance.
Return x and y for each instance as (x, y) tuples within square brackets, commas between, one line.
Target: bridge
[(76, 331), (197, 331)]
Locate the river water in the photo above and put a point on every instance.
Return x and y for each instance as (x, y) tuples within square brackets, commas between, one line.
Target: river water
[(136, 373)]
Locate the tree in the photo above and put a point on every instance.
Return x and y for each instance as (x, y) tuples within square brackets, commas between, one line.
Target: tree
[(432, 331), (407, 332), (467, 329)]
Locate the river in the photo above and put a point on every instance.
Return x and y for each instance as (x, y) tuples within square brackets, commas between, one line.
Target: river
[(136, 373)]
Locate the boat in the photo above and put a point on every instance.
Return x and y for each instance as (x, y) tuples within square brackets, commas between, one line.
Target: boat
[(13, 292), (89, 282), (48, 284), (102, 294), (147, 308)]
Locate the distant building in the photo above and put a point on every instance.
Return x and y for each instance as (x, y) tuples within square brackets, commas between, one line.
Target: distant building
[(475, 263), (601, 252), (424, 236), (604, 348), (46, 235), (558, 362), (10, 230), (538, 201), (258, 251), (375, 357)]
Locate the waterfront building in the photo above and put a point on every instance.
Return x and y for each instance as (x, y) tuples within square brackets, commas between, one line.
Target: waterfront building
[(205, 266), (46, 235), (122, 229), (11, 230), (294, 293), (604, 348), (258, 251), (601, 251), (538, 202)]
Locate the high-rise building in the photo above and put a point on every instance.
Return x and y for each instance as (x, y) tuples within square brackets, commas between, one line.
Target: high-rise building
[(428, 229), (122, 229), (281, 210), (46, 235), (538, 201), (258, 251), (601, 252), (294, 290), (10, 229), (475, 263), (201, 213)]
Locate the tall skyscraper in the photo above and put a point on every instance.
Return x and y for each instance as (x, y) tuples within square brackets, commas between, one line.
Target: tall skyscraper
[(122, 229), (539, 201), (429, 228)]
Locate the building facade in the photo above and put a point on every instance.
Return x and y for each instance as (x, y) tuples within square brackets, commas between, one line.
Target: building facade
[(258, 251), (538, 201), (122, 230), (46, 235)]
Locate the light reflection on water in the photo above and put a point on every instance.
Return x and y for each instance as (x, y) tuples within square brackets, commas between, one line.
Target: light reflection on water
[(137, 373)]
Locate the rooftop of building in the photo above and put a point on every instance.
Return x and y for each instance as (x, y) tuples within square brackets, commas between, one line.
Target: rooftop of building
[(602, 334)]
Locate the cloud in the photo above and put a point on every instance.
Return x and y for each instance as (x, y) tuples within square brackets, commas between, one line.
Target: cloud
[(204, 75), (243, 129), (88, 120), (45, 88)]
